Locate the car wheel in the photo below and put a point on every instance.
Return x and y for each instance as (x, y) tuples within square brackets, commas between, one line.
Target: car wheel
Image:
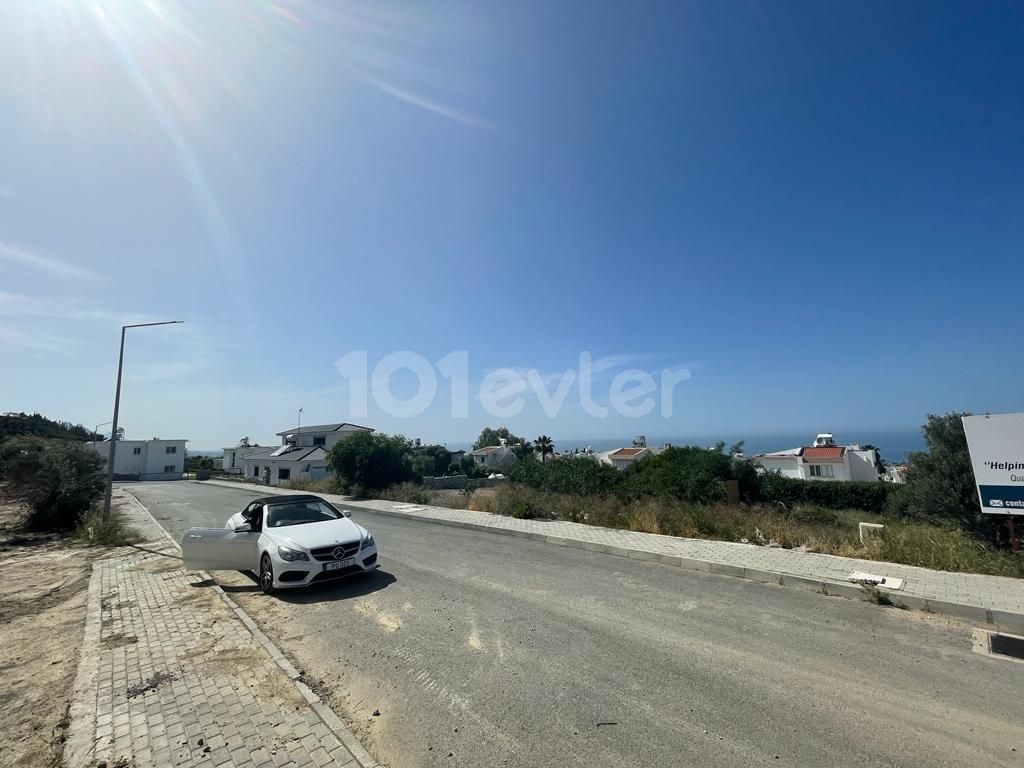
[(266, 575)]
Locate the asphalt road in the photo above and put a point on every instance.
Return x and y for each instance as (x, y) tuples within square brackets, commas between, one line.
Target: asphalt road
[(485, 650)]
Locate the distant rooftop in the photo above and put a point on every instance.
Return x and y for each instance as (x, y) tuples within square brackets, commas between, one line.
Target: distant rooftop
[(626, 452), (322, 428)]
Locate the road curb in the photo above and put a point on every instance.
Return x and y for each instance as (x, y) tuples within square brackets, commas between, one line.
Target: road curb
[(1002, 620), (327, 716)]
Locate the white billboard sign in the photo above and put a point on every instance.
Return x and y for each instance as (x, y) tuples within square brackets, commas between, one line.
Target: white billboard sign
[(996, 443)]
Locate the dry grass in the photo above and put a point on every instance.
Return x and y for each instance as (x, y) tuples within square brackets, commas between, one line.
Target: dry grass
[(815, 529), (324, 485)]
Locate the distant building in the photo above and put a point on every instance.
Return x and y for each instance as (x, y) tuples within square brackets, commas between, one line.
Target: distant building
[(232, 461), (823, 460), (895, 473), (495, 457), (302, 454), (620, 458), (154, 459)]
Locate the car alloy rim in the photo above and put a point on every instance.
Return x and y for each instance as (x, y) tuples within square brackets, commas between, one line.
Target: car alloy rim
[(265, 576)]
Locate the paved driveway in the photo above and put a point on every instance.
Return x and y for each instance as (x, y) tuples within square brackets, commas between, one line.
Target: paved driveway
[(484, 650)]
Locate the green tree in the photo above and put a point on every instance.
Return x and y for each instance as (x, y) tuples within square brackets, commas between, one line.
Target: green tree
[(57, 479), (370, 461), (940, 481), (430, 461), (491, 436), (195, 463), (544, 445), (523, 449), (736, 448)]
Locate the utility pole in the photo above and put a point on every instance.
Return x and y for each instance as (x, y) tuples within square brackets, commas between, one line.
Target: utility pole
[(117, 407)]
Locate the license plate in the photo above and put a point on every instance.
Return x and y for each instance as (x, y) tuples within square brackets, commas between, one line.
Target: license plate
[(339, 564)]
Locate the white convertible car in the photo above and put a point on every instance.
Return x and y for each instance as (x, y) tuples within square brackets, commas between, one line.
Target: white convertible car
[(288, 541)]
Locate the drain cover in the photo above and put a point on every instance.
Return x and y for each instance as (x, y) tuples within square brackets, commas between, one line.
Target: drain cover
[(1007, 645)]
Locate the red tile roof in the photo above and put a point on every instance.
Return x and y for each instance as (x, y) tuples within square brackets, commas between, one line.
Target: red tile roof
[(823, 452), (627, 452)]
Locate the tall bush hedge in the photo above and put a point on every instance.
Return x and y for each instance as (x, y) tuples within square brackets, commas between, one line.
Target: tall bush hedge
[(869, 496)]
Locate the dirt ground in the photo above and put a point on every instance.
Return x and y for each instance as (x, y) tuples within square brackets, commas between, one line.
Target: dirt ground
[(43, 588)]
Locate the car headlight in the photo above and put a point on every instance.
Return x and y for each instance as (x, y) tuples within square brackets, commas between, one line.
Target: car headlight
[(368, 541), (291, 555)]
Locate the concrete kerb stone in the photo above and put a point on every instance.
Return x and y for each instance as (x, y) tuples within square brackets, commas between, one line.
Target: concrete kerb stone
[(826, 586), (327, 716), (1008, 622), (82, 736)]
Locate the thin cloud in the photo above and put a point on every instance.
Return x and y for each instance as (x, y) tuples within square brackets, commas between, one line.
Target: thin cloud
[(430, 106), (12, 337), (20, 255), (18, 305)]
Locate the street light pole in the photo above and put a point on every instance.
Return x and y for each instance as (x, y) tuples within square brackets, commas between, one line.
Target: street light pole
[(117, 407)]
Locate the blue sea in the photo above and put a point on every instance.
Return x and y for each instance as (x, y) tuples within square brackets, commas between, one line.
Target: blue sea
[(893, 444)]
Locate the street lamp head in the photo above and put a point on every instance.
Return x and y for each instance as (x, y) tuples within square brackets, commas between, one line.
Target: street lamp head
[(146, 325)]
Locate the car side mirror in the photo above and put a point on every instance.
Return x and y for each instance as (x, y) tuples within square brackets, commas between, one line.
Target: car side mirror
[(346, 513), (243, 528)]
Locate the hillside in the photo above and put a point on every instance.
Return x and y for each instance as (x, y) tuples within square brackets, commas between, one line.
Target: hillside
[(12, 424)]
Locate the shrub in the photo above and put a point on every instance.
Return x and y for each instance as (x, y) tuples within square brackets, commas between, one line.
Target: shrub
[(368, 462), (408, 492), (520, 502), (940, 482), (112, 532), (686, 473), (57, 479), (578, 476)]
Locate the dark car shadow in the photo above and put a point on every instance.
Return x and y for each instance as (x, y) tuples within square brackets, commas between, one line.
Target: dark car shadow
[(343, 589)]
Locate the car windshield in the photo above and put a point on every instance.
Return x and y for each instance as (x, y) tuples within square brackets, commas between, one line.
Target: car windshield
[(300, 512)]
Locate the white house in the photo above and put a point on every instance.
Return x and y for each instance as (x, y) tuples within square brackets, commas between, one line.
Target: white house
[(322, 435), (823, 460), (154, 459), (232, 461), (302, 454), (494, 457)]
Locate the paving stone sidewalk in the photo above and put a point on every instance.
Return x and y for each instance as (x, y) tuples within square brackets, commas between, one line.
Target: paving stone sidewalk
[(975, 597), (170, 675)]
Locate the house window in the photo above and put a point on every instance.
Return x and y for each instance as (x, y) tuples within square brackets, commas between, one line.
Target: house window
[(319, 441), (137, 450), (821, 470), (171, 449), (169, 469), (283, 474)]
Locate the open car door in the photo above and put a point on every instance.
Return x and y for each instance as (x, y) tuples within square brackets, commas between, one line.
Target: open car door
[(219, 549)]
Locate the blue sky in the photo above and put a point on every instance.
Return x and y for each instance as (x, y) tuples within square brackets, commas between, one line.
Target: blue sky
[(817, 208)]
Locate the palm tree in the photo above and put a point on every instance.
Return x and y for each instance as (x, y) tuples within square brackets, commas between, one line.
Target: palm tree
[(544, 445)]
